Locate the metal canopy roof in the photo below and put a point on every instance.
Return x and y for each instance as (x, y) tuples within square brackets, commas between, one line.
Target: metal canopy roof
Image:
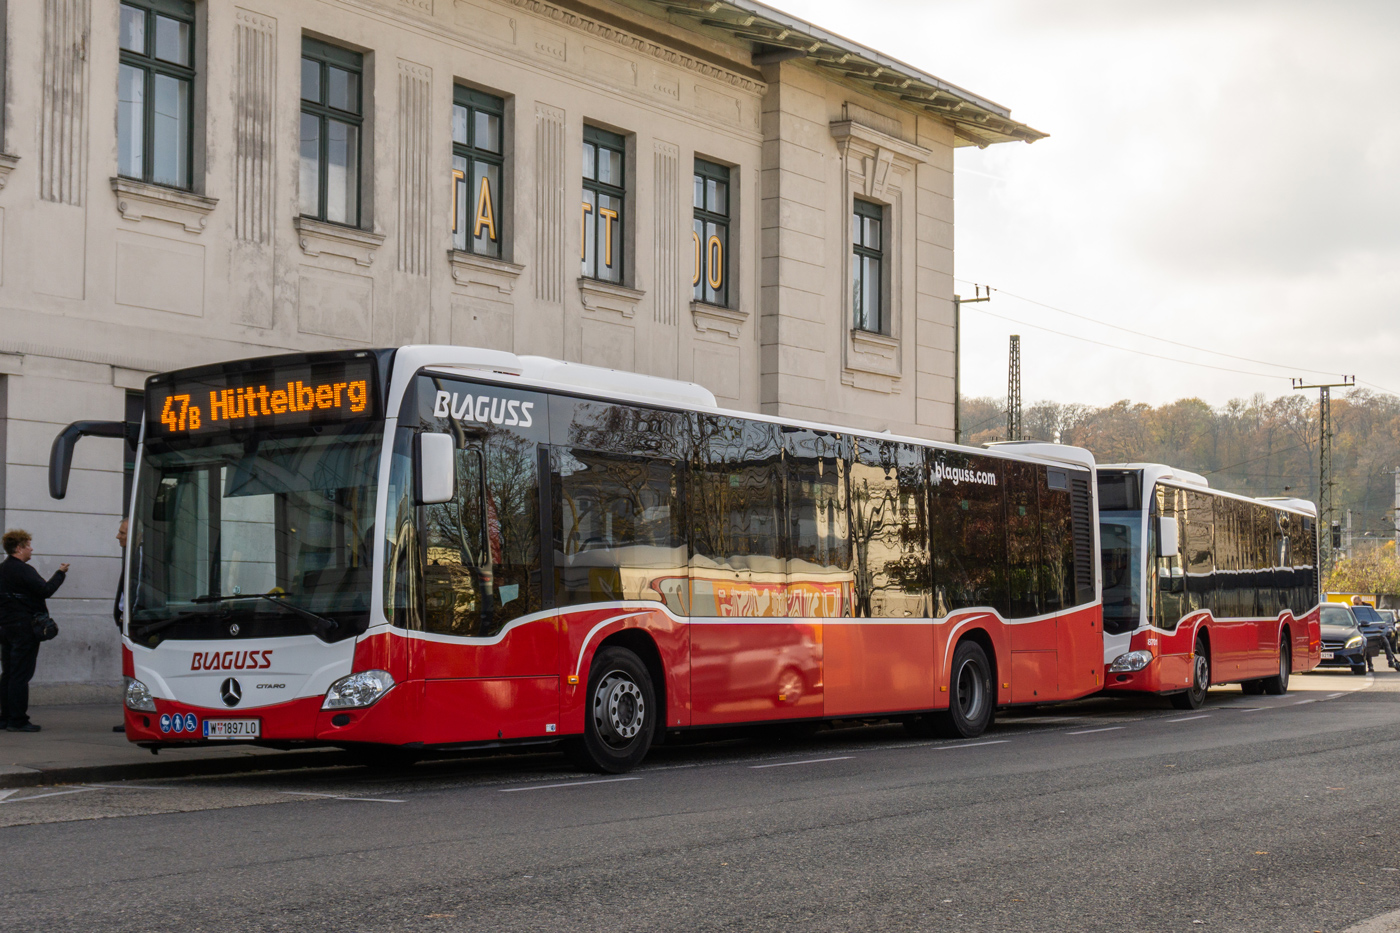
[(775, 36)]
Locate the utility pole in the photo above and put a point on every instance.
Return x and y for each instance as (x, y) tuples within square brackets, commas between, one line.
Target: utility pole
[(1325, 507), (958, 302), (1013, 391)]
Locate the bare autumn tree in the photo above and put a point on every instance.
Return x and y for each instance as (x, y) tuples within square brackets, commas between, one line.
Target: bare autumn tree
[(1255, 446)]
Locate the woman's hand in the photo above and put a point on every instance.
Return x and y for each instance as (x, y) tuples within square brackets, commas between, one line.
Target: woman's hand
[(63, 567)]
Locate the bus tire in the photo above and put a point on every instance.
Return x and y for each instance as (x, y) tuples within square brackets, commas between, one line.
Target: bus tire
[(971, 700), (1278, 685), (619, 717), (1194, 697)]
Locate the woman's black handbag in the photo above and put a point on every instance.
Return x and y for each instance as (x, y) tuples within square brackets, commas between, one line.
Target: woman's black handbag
[(42, 625), (45, 628)]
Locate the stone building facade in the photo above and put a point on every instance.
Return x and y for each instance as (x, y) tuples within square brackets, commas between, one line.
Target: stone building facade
[(185, 182)]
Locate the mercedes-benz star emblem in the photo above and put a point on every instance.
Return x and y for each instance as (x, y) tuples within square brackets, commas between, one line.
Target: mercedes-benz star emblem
[(233, 629), (231, 692)]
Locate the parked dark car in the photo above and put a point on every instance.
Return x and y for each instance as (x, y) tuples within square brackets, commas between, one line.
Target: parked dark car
[(1343, 642), (1376, 626)]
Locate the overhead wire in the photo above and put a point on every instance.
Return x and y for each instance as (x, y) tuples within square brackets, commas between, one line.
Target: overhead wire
[(1157, 337), (1111, 346)]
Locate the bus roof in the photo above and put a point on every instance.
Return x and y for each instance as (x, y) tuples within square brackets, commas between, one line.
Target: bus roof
[(1161, 472), (618, 385)]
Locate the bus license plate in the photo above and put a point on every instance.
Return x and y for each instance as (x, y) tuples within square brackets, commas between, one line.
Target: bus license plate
[(232, 728), (1327, 655)]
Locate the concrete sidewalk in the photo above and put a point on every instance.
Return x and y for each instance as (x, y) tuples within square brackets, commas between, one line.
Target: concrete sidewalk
[(78, 744)]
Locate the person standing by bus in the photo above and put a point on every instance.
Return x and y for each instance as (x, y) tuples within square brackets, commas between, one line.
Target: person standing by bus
[(24, 592)]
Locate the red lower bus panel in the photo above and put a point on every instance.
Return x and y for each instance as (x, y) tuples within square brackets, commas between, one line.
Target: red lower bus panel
[(1034, 676), (753, 670), (485, 710), (871, 668)]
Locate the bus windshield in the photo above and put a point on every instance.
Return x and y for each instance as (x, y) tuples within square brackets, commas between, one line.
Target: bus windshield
[(1120, 551), (260, 533)]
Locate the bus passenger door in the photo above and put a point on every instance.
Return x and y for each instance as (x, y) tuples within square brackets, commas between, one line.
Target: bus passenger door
[(489, 655)]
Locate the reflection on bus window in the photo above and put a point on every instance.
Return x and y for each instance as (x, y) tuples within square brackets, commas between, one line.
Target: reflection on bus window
[(1120, 535)]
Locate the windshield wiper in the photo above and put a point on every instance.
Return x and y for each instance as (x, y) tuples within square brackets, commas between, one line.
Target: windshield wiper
[(323, 625), (141, 630)]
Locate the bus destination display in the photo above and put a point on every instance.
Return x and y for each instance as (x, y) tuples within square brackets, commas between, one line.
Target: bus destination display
[(303, 395)]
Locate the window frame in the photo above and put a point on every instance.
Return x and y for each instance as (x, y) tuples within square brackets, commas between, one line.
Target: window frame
[(326, 54), (614, 142), (860, 319), (704, 215), (472, 101), (183, 11)]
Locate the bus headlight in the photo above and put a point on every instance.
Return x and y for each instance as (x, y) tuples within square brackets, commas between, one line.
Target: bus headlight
[(1132, 661), (138, 696), (1355, 641), (358, 690)]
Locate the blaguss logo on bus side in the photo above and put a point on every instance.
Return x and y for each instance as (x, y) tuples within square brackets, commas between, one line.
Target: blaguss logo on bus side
[(483, 409)]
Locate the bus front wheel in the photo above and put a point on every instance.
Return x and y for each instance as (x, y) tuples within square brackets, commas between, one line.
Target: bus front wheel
[(620, 716), (1195, 696)]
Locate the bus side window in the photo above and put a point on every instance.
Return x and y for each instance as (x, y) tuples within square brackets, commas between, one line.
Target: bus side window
[(1023, 539), (1198, 551), (1057, 541), (619, 531), (457, 572), (1169, 599), (889, 531), (819, 574), (967, 522)]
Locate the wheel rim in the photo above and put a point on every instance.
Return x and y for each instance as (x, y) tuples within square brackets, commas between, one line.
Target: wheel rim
[(971, 692), (1202, 683), (619, 709)]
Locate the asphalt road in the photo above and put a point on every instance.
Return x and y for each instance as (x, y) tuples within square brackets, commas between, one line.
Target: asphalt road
[(1255, 814)]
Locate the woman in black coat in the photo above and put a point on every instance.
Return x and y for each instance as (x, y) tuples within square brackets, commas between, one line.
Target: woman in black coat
[(22, 595)]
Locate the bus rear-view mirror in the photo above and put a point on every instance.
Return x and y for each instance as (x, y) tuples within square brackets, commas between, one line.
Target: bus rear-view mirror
[(1168, 544), (435, 468)]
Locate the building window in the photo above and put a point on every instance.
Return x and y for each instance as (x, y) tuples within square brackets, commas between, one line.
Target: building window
[(603, 191), (711, 233), (332, 117), (476, 172), (867, 260), (155, 79)]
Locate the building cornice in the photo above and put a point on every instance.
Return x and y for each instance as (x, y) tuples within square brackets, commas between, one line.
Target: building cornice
[(645, 46)]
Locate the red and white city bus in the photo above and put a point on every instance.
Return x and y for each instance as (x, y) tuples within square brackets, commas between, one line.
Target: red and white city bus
[(446, 547), (1204, 587)]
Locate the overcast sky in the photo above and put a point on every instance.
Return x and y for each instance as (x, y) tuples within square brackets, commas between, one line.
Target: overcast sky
[(1223, 173)]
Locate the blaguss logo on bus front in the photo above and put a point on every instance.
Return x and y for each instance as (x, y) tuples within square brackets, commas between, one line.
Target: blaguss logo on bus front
[(483, 409), (231, 660)]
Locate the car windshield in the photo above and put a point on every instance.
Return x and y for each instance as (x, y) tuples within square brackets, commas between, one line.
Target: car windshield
[(259, 533), (1337, 615), (1366, 615), (1120, 552)]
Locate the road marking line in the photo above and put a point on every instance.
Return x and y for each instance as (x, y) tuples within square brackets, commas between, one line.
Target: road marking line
[(1190, 718), (511, 790), (126, 787), (974, 744), (1087, 731), (1333, 696), (7, 793), (1257, 709), (809, 761), (302, 793), (56, 793), (1301, 702)]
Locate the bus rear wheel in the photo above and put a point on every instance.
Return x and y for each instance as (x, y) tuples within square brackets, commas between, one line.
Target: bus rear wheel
[(1194, 697), (1278, 685), (971, 700), (620, 716)]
